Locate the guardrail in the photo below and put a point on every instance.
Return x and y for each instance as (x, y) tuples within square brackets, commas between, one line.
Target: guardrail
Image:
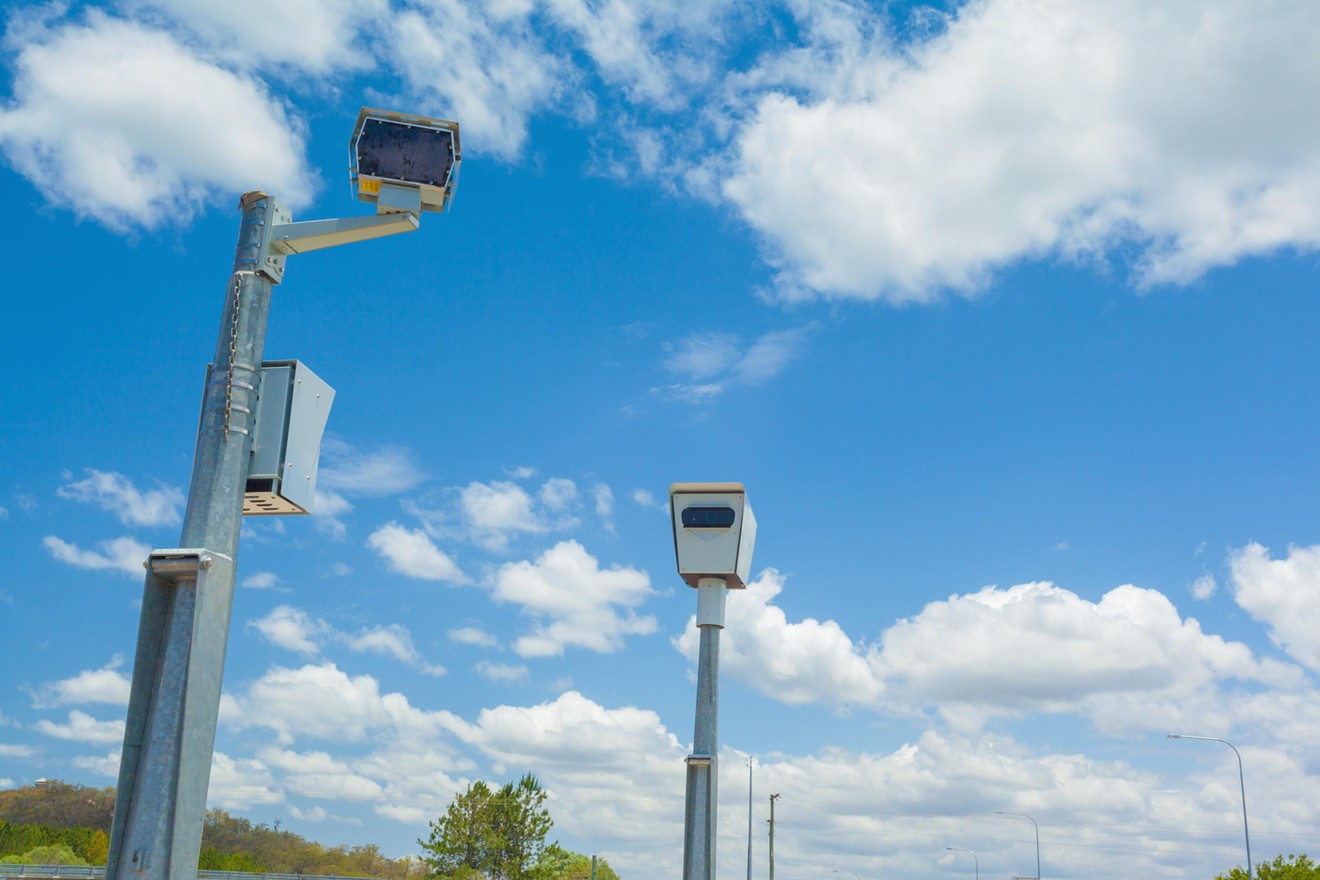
[(97, 872)]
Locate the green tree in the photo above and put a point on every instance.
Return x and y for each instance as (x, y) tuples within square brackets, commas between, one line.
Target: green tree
[(1293, 867), (557, 863), (497, 834), (55, 854)]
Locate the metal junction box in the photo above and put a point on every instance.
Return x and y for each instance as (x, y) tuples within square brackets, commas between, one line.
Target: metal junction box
[(292, 410)]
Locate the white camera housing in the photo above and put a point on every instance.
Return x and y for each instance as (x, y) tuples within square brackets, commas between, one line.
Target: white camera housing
[(714, 531)]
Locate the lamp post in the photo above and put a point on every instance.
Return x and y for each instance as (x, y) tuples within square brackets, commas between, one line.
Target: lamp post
[(188, 596), (976, 863), (849, 873), (1037, 827), (1241, 783)]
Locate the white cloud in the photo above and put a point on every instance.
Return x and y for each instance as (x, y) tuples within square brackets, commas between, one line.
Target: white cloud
[(261, 580), (493, 514), (470, 62), (327, 30), (240, 783), (1283, 594), (603, 497), (291, 628), (574, 601), (1204, 587), (646, 499), (558, 494), (714, 362), (102, 765), (392, 641), (495, 511), (502, 673), (411, 552), (82, 727), (1128, 662), (1033, 128), (104, 685), (116, 493), (79, 129), (295, 630), (9, 750), (804, 662), (319, 814), (382, 471), (471, 635), (124, 555)]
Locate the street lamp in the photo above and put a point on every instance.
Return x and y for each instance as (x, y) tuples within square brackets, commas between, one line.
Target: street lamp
[(850, 873), (975, 861), (714, 531), (406, 165), (1241, 783), (1033, 822)]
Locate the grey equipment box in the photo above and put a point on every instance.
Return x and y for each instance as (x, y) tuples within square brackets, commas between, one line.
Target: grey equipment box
[(292, 410)]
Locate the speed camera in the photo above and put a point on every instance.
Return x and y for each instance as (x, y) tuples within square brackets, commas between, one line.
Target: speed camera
[(714, 531), (402, 162)]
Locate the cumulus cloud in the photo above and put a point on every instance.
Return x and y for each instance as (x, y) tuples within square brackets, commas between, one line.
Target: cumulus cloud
[(1033, 128), (262, 580), (710, 363), (412, 553), (104, 685), (77, 126), (502, 673), (491, 515), (794, 662), (240, 783), (574, 602), (483, 64), (471, 635), (291, 628), (329, 31), (82, 727), (1283, 594), (371, 745), (116, 493), (1128, 662), (392, 641), (295, 630), (106, 765), (124, 555)]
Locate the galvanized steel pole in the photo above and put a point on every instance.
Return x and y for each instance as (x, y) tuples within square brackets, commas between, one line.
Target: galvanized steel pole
[(165, 766), (701, 806)]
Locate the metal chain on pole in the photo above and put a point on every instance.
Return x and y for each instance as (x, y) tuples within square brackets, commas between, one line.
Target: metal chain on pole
[(233, 348)]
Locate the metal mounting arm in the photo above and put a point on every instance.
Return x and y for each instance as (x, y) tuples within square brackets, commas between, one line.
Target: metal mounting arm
[(313, 235)]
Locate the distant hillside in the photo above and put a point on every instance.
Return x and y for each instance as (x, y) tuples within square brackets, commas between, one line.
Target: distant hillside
[(37, 814)]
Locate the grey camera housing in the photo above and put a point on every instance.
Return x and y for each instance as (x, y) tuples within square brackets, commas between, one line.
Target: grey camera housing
[(714, 532)]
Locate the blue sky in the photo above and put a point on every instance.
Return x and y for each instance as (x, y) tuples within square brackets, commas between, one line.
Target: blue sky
[(1002, 311)]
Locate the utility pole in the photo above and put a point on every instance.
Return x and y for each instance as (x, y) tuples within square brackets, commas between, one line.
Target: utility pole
[(165, 766), (773, 798), (405, 165)]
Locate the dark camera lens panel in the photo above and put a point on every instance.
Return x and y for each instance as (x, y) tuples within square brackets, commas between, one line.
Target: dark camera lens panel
[(708, 517), (403, 152)]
